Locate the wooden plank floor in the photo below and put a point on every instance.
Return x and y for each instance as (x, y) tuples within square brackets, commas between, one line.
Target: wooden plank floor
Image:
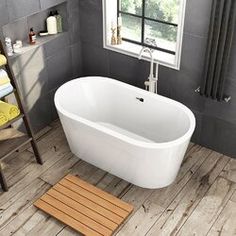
[(202, 201)]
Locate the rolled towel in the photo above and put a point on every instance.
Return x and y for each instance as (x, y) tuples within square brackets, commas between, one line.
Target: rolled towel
[(3, 119), (5, 89), (3, 60), (11, 111), (3, 73), (5, 80)]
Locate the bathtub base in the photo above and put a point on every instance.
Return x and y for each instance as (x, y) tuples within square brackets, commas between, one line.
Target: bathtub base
[(146, 168)]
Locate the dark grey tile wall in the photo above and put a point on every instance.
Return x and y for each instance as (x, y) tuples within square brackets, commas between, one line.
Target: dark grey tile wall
[(216, 122), (41, 70)]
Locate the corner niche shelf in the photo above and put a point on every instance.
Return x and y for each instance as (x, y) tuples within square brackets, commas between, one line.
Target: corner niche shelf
[(40, 41), (19, 29)]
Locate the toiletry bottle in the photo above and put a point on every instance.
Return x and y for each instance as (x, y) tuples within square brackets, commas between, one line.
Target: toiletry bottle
[(52, 24), (9, 48), (32, 36), (59, 22)]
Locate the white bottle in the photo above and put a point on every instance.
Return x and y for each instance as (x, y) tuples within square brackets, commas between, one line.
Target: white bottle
[(9, 48), (52, 24)]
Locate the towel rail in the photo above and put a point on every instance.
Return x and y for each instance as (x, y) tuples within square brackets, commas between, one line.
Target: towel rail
[(225, 99)]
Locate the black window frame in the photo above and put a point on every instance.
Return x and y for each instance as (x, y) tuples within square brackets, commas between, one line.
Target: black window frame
[(143, 18)]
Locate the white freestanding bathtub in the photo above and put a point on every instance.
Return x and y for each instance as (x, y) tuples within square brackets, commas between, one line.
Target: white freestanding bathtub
[(136, 135)]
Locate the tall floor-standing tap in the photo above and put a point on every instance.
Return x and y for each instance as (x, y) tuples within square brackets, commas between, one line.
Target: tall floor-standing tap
[(151, 84)]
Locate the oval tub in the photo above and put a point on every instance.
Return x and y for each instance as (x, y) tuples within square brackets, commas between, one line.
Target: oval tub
[(136, 135)]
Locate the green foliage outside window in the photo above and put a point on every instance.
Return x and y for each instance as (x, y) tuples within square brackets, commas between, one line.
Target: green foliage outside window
[(164, 10)]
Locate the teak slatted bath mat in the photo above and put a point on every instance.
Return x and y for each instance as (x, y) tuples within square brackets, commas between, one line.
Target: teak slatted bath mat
[(84, 207)]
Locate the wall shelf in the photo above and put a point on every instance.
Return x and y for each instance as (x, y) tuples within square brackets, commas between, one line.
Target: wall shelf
[(9, 123), (40, 41), (13, 91), (12, 140)]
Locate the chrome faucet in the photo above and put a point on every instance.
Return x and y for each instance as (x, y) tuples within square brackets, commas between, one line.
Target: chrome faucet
[(151, 84)]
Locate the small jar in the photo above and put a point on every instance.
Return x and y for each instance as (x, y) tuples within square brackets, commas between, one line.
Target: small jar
[(17, 48), (19, 42)]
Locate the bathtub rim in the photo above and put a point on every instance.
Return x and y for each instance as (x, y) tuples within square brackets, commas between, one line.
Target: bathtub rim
[(118, 135)]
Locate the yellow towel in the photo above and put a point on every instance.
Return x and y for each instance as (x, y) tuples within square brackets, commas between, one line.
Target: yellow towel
[(4, 80), (3, 60), (3, 119), (9, 110)]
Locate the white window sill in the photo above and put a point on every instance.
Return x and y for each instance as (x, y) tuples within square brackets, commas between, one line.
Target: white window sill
[(133, 50)]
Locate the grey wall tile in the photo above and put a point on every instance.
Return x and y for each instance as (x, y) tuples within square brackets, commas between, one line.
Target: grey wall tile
[(22, 8), (59, 68), (180, 85), (128, 69), (45, 4), (95, 60), (40, 114), (17, 30), (32, 75), (193, 54), (232, 61), (4, 16), (54, 113), (77, 60), (219, 135), (91, 14), (73, 21), (197, 17), (32, 84), (196, 138), (54, 46), (34, 57), (164, 82)]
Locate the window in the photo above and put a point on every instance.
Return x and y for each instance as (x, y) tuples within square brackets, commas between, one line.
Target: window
[(157, 24)]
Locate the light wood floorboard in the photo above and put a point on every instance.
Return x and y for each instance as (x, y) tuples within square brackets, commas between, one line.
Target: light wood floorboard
[(202, 201)]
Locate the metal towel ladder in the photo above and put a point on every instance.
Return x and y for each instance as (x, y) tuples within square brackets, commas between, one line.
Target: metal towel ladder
[(11, 140)]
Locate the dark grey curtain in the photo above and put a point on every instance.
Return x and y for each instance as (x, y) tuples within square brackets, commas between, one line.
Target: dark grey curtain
[(220, 38)]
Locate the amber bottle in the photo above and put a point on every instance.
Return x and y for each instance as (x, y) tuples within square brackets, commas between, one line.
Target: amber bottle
[(32, 36)]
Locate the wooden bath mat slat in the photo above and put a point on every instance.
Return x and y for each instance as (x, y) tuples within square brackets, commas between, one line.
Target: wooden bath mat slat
[(125, 206), (93, 197), (89, 204), (84, 207)]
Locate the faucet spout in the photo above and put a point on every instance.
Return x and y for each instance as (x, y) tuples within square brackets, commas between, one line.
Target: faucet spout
[(148, 50), (152, 79)]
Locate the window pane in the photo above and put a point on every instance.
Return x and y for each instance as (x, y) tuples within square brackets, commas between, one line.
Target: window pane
[(165, 10), (164, 35), (131, 27), (131, 6)]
